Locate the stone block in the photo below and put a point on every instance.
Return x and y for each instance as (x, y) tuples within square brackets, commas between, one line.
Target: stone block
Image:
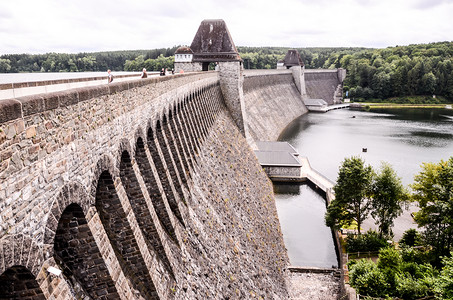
[(92, 92), (20, 126), (32, 104), (10, 110), (30, 132), (5, 154), (67, 98), (117, 87), (6, 86), (50, 101), (2, 136)]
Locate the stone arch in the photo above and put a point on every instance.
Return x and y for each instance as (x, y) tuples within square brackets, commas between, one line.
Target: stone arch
[(165, 112), (161, 171), (139, 133), (198, 115), (188, 120), (124, 146), (20, 250), (171, 155), (105, 163), (121, 235), (180, 130), (78, 256), (194, 119), (151, 185), (140, 208), (18, 282), (73, 192), (151, 126)]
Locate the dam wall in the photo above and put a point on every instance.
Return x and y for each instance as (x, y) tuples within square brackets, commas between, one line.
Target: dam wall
[(143, 189), (325, 84), (272, 101)]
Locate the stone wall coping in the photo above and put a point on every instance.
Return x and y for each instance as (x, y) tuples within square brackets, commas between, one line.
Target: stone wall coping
[(17, 108), (321, 71), (25, 84), (266, 72)]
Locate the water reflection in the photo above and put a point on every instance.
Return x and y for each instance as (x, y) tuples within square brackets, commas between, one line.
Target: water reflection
[(403, 137), (301, 212)]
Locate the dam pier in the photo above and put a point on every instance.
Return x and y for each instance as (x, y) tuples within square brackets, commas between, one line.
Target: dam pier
[(150, 188)]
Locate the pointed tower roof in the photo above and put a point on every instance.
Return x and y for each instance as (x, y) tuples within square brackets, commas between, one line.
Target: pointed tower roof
[(213, 42), (292, 58)]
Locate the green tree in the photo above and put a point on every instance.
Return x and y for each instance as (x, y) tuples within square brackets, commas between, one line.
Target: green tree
[(410, 238), (388, 196), (352, 193), (5, 65), (444, 286), (433, 189)]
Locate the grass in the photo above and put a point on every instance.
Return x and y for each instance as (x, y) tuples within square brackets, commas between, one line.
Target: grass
[(397, 105)]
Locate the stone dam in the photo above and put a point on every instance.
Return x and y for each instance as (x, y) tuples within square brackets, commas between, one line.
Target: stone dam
[(145, 189)]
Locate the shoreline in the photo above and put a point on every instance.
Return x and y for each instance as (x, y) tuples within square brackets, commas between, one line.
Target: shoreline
[(370, 106)]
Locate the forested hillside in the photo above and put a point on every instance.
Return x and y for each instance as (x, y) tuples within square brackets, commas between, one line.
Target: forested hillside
[(424, 69), (81, 62), (401, 71)]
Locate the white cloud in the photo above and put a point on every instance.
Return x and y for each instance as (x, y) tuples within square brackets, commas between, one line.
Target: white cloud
[(98, 25)]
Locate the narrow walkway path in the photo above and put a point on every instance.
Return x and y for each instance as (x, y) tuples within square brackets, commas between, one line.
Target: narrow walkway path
[(35, 88), (316, 178)]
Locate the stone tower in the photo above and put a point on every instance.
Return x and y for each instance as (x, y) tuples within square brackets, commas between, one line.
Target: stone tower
[(294, 62), (213, 44)]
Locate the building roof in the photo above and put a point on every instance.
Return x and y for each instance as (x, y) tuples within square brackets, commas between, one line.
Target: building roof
[(184, 50), (315, 102), (277, 158), (277, 154), (292, 58), (276, 146), (213, 42)]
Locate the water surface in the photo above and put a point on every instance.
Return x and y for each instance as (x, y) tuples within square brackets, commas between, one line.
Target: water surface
[(403, 137), (301, 212)]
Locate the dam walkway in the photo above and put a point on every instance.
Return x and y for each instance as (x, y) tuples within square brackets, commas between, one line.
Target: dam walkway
[(22, 85)]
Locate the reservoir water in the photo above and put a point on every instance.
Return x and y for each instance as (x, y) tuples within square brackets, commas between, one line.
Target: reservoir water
[(405, 138)]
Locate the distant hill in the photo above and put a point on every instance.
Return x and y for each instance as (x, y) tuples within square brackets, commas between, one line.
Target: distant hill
[(400, 71)]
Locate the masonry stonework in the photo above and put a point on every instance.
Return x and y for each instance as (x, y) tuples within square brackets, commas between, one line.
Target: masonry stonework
[(188, 67), (272, 101), (91, 184), (231, 83)]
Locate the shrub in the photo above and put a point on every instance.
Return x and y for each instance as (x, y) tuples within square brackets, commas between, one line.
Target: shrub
[(411, 238), (370, 241), (445, 282), (367, 279), (410, 288)]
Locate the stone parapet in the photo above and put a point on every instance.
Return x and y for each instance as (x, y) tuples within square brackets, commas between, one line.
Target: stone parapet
[(25, 84), (11, 109)]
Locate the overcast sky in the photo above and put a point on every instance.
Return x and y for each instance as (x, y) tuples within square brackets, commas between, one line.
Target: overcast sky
[(101, 25)]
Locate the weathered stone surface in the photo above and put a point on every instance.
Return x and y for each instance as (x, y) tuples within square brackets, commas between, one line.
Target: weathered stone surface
[(191, 209), (10, 110), (272, 101)]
